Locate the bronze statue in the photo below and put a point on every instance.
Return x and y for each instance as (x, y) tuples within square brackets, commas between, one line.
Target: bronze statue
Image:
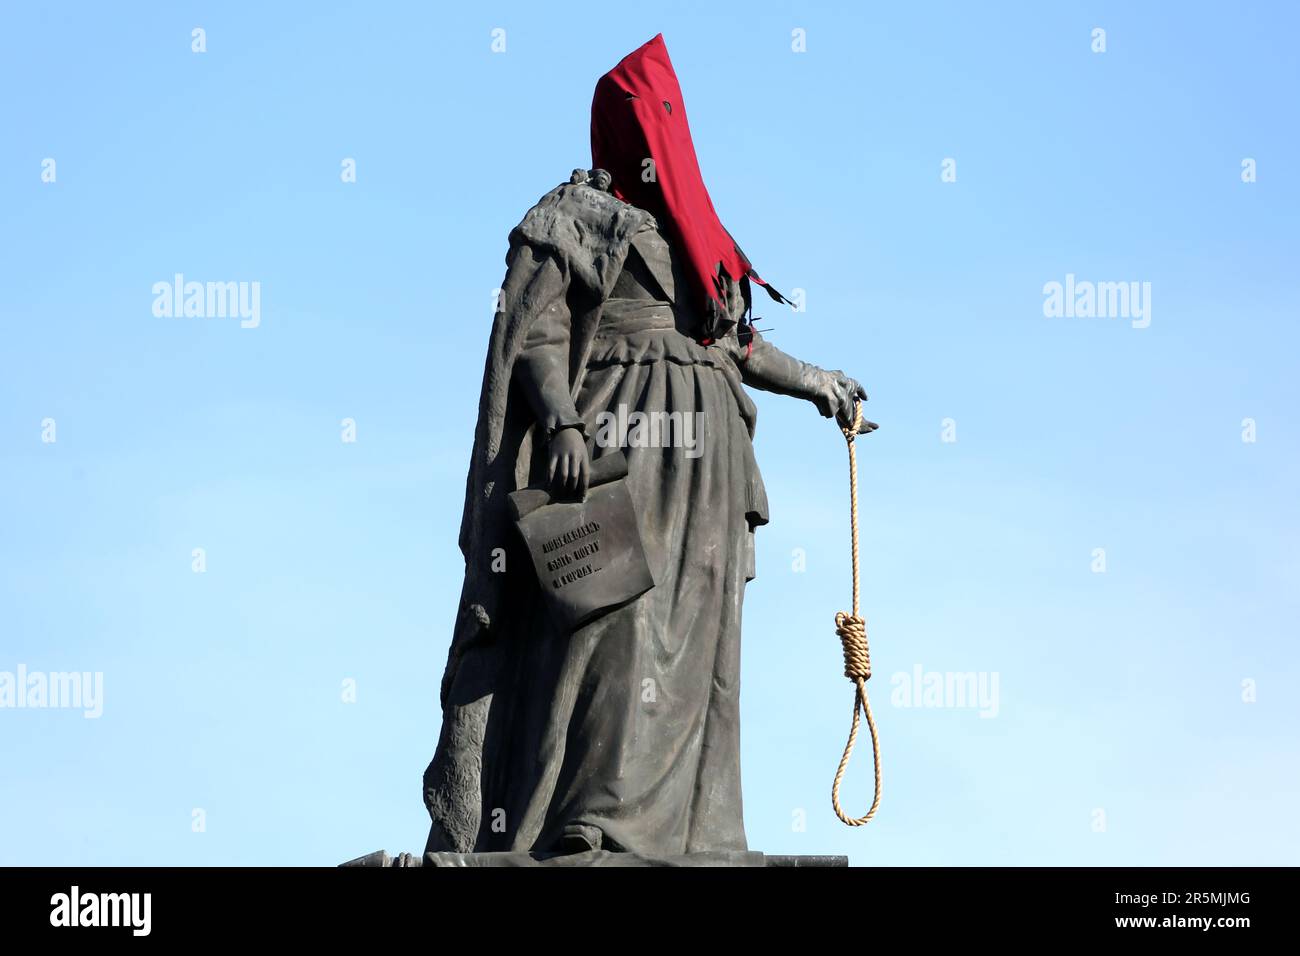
[(625, 303)]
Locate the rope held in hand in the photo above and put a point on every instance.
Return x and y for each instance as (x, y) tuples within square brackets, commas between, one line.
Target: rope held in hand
[(852, 631)]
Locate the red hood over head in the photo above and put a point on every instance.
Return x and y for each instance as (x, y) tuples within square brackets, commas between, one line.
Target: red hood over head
[(640, 136)]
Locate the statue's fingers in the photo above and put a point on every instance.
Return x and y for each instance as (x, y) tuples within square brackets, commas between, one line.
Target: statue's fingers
[(584, 476), (848, 409)]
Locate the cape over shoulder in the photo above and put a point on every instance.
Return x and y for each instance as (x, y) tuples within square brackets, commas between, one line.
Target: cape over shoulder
[(575, 239), (584, 226)]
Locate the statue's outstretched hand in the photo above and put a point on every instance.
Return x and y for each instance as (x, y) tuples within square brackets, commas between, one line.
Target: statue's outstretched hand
[(839, 396), (569, 466)]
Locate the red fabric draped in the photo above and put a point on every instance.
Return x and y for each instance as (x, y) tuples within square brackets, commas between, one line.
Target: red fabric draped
[(640, 136)]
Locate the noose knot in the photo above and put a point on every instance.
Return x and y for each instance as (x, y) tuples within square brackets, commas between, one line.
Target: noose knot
[(853, 636)]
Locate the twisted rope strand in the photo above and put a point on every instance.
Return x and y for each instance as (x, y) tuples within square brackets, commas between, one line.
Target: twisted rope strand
[(852, 631)]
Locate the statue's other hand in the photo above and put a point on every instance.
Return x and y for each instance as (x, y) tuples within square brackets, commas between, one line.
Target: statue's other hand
[(569, 466)]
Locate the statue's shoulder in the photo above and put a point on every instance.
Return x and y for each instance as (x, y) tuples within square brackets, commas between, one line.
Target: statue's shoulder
[(580, 211)]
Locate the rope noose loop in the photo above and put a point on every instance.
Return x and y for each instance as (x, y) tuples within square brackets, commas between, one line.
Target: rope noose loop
[(852, 631)]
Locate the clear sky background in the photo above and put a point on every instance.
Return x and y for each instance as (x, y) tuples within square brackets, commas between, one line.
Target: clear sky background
[(1145, 715)]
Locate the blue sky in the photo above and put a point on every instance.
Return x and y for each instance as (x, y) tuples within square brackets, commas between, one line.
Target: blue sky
[(1145, 714)]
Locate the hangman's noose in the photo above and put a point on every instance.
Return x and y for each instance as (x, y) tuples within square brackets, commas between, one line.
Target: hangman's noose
[(852, 630)]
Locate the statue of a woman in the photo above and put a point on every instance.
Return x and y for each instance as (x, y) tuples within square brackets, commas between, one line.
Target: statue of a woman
[(623, 293)]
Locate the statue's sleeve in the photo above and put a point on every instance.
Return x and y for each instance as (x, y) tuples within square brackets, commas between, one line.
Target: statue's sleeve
[(542, 368), (764, 366)]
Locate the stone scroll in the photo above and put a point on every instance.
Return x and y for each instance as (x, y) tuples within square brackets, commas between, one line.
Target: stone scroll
[(587, 554)]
